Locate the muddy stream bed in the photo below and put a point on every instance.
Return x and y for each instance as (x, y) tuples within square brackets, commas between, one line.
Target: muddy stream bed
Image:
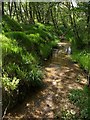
[(60, 76)]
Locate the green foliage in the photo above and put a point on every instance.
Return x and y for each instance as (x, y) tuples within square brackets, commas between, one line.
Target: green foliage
[(69, 115), (24, 45), (35, 77), (9, 45), (45, 32), (19, 69), (54, 43), (36, 40), (43, 39), (45, 50), (9, 24), (81, 99), (61, 30), (70, 37), (22, 39), (9, 84), (21, 54), (14, 66), (83, 58)]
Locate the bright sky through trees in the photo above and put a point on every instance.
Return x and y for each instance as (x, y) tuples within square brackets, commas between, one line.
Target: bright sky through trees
[(74, 3)]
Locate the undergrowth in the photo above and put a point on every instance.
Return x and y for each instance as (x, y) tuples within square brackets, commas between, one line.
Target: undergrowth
[(24, 48), (81, 98), (83, 58), (9, 25)]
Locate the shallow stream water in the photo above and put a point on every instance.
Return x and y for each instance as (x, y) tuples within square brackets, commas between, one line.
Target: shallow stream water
[(60, 76)]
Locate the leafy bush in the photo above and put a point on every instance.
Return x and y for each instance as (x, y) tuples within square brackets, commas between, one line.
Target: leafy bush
[(22, 53), (9, 84), (9, 24), (21, 39), (14, 66), (83, 57), (81, 99), (20, 71), (69, 115), (35, 77), (45, 50), (45, 32)]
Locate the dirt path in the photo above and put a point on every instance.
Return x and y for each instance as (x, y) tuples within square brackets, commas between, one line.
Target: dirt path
[(61, 75)]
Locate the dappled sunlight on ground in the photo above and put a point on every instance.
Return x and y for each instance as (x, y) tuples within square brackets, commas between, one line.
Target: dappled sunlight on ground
[(60, 76)]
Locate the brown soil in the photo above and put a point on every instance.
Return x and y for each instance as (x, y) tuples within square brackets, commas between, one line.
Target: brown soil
[(60, 76)]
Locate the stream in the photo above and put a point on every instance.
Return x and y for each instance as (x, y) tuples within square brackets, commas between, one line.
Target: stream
[(60, 76)]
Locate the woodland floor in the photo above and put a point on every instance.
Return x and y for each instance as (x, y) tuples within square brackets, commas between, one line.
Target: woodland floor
[(61, 75)]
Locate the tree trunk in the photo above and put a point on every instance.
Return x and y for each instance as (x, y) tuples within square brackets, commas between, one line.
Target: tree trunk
[(10, 5), (16, 11), (2, 8), (25, 9), (20, 10), (53, 20), (38, 13), (74, 27), (31, 20)]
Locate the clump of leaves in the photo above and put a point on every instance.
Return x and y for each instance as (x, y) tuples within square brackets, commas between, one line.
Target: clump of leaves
[(35, 77), (8, 83), (83, 58), (22, 40), (68, 115), (45, 50), (81, 99), (9, 24)]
